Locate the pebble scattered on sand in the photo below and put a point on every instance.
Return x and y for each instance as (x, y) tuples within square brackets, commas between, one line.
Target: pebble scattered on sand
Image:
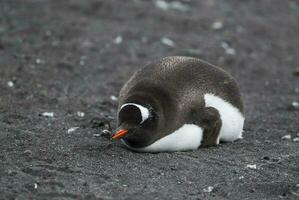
[(35, 185), (217, 25), (80, 114), (118, 39), (173, 5), (39, 61), (296, 139), (113, 98), (48, 114), (70, 130), (286, 137), (10, 84), (208, 189), (105, 131), (251, 166), (241, 177), (82, 62), (228, 50), (168, 42), (294, 106)]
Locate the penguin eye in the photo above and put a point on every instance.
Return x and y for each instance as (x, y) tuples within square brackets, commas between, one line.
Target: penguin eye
[(130, 114)]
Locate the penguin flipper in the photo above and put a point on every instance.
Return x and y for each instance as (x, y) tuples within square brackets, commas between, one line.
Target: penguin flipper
[(209, 119)]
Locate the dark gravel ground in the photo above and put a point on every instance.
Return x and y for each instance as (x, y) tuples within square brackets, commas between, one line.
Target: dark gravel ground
[(69, 56)]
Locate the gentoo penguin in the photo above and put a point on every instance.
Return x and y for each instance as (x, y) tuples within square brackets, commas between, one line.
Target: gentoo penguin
[(179, 103)]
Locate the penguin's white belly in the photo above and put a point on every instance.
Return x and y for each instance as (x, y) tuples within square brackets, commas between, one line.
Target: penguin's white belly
[(232, 119), (188, 137)]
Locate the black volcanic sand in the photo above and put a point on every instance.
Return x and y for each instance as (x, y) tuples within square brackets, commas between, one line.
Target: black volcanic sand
[(70, 56)]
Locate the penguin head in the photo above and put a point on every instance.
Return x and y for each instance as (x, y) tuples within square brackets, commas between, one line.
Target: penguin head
[(135, 123)]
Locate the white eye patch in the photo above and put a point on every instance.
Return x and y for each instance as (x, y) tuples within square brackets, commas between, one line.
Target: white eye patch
[(143, 110)]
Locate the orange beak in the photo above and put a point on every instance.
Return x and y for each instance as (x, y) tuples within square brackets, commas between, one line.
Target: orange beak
[(119, 134)]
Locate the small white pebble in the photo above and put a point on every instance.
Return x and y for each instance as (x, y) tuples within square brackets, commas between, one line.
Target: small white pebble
[(96, 135), (10, 84), (251, 166), (168, 42), (113, 98), (82, 62), (39, 61), (124, 185), (217, 25), (161, 4), (208, 189), (118, 39), (35, 185), (175, 5), (228, 50), (286, 137), (241, 177), (48, 114), (296, 139), (297, 185), (80, 114), (295, 104), (105, 131), (70, 130)]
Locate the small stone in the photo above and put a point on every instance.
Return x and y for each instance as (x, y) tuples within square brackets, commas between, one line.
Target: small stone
[(118, 39), (241, 177), (208, 189), (96, 135), (27, 152), (124, 185), (177, 5), (35, 185), (266, 158), (168, 42), (113, 98), (70, 130), (82, 62), (174, 5), (296, 139), (105, 131), (39, 61), (296, 71), (48, 114), (10, 84), (163, 5), (294, 106), (217, 25), (251, 166), (80, 114), (286, 137), (228, 50)]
